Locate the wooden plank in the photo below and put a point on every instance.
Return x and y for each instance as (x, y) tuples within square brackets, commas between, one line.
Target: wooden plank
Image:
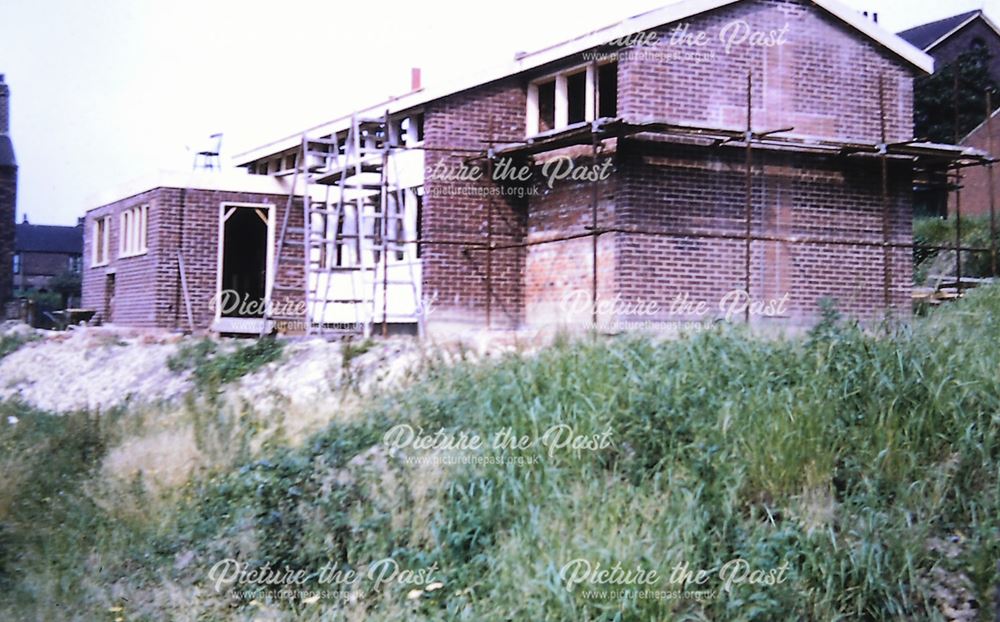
[(184, 289)]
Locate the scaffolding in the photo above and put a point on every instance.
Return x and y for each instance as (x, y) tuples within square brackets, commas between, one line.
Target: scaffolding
[(367, 206), (353, 209)]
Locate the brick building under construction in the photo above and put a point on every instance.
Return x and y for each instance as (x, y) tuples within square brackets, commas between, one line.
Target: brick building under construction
[(643, 172)]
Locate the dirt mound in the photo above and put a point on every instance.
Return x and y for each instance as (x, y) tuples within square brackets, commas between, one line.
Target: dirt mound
[(91, 368)]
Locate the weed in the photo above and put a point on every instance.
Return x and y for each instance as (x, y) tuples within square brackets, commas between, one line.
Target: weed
[(211, 368), (13, 341)]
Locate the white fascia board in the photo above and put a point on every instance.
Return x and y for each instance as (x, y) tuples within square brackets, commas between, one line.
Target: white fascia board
[(903, 48), (227, 181), (947, 35)]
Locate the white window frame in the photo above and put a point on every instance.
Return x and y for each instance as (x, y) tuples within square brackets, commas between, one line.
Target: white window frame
[(227, 209), (410, 136), (133, 231), (101, 241), (533, 119)]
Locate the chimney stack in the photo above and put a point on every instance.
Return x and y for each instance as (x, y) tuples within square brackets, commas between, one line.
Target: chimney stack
[(415, 84), (4, 107)]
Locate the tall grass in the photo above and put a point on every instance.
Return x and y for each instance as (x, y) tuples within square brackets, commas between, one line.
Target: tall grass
[(843, 454)]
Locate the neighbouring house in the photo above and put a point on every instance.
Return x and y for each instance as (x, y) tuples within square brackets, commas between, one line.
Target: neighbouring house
[(612, 177), (947, 39), (43, 252), (8, 194)]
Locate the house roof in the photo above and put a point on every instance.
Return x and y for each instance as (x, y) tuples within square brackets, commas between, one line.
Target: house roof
[(7, 158), (48, 239), (523, 62), (928, 36)]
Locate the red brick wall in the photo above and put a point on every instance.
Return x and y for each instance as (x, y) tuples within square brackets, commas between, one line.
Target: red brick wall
[(823, 81), (148, 290), (975, 194), (794, 196), (454, 277), (559, 274)]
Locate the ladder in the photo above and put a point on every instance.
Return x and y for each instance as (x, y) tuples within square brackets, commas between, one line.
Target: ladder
[(353, 208)]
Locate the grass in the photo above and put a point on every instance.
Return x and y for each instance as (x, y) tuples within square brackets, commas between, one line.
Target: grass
[(840, 456)]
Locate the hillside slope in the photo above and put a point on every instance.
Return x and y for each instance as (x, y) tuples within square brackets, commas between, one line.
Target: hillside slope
[(845, 475)]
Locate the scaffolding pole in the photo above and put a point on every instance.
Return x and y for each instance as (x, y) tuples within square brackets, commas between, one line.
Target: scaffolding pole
[(748, 198), (958, 231), (489, 230), (990, 182), (886, 235)]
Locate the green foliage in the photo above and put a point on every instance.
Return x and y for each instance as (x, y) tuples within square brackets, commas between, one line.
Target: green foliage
[(941, 232), (842, 454), (66, 284), (934, 97), (46, 300), (211, 368), (351, 350), (46, 459), (12, 341)]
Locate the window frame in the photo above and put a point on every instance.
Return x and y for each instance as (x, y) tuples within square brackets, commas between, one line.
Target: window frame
[(561, 121), (133, 231), (100, 237)]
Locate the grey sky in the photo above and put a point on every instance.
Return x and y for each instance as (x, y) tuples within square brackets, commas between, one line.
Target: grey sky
[(104, 92)]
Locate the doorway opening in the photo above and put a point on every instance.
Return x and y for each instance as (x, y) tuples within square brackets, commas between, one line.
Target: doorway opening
[(246, 239), (109, 298)]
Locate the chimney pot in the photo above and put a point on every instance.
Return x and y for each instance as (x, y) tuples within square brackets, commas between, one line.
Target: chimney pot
[(415, 82)]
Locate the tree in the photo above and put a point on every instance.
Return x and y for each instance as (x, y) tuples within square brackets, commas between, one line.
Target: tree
[(66, 285), (935, 97)]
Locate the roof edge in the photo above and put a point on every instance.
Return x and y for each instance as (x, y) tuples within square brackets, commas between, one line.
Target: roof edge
[(629, 26), (978, 14), (995, 115), (226, 181)]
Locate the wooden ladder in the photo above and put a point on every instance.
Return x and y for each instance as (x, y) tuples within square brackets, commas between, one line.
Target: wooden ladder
[(347, 230)]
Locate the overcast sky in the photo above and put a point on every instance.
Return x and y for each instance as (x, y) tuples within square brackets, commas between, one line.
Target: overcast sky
[(107, 91)]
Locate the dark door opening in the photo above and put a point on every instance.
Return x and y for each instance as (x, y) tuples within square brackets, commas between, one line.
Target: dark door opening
[(109, 298), (244, 262)]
